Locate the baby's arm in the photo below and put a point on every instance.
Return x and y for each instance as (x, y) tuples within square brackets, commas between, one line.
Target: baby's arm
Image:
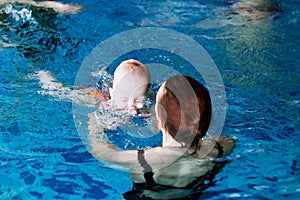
[(48, 82), (51, 86), (85, 97)]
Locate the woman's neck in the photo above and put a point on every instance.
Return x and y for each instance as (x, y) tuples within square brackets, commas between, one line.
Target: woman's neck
[(168, 140)]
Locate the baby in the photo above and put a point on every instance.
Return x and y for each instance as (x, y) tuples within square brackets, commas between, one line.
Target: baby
[(130, 85)]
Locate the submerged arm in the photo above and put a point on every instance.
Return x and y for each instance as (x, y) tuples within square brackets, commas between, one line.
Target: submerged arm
[(85, 97), (48, 82)]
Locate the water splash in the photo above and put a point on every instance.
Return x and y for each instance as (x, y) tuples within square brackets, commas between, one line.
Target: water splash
[(22, 16), (105, 80)]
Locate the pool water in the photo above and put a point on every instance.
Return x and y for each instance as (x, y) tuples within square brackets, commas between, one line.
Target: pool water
[(255, 45)]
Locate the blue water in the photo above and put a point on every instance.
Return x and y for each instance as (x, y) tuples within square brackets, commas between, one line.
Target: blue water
[(256, 48)]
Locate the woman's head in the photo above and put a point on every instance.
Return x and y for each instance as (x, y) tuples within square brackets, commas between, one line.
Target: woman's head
[(183, 109)]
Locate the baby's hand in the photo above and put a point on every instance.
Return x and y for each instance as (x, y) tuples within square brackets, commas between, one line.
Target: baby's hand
[(45, 74), (47, 81)]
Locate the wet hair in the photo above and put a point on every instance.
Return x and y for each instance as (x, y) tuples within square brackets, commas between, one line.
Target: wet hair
[(183, 109), (133, 70)]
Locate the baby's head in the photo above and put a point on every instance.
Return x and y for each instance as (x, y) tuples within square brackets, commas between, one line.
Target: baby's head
[(130, 85), (183, 109)]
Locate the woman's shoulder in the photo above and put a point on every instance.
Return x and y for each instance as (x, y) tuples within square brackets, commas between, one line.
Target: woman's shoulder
[(216, 147), (183, 171)]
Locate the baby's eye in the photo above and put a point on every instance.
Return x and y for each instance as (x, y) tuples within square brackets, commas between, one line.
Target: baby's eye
[(123, 102), (123, 99)]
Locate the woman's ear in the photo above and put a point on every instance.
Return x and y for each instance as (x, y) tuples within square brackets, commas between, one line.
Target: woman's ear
[(161, 115)]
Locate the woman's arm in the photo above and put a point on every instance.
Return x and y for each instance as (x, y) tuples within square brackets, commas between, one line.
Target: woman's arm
[(217, 147), (157, 158), (227, 144), (102, 149)]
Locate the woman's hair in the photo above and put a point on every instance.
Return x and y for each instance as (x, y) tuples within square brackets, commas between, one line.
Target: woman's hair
[(183, 109)]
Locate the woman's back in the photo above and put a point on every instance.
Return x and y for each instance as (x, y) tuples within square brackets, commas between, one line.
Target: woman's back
[(187, 168)]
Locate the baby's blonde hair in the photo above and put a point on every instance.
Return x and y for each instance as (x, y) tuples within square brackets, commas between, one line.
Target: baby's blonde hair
[(133, 70)]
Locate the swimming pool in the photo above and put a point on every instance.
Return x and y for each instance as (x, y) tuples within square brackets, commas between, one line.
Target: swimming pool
[(255, 47)]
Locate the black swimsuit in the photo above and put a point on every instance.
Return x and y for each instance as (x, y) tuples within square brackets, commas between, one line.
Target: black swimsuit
[(197, 186), (220, 149), (148, 173)]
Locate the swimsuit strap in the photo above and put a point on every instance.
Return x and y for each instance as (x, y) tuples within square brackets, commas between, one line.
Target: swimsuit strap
[(220, 149), (148, 173)]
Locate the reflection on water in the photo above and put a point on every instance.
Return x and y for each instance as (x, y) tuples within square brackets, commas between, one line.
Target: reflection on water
[(255, 45), (33, 31)]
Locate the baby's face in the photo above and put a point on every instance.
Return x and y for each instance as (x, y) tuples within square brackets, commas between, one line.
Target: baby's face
[(129, 96)]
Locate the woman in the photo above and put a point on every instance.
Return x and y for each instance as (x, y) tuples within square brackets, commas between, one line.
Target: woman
[(183, 110)]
